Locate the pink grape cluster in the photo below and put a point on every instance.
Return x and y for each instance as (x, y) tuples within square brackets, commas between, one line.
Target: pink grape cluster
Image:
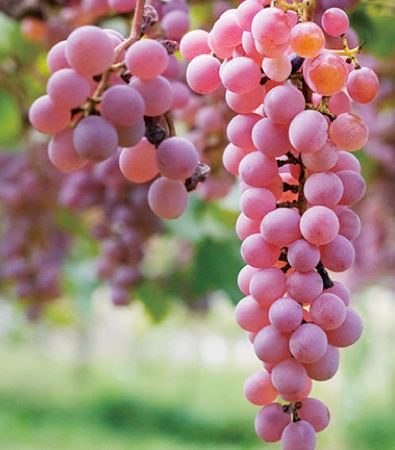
[(107, 92), (291, 145)]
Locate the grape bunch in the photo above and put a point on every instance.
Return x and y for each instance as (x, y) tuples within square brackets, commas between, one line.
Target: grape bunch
[(33, 246), (107, 92), (119, 218), (291, 144)]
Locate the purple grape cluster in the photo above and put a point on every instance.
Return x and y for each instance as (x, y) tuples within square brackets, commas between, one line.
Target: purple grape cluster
[(123, 222), (33, 247)]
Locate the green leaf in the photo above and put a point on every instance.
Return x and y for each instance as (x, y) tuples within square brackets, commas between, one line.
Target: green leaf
[(215, 267), (10, 120), (155, 300), (377, 30)]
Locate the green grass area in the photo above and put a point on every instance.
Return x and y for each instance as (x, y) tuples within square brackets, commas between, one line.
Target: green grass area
[(51, 399), (53, 405)]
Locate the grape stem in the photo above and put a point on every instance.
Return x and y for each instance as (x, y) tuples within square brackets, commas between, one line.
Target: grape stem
[(135, 35), (170, 123), (349, 53), (328, 283)]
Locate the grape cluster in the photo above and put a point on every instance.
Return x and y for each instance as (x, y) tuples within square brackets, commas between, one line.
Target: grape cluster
[(33, 247), (291, 143), (119, 218), (107, 92)]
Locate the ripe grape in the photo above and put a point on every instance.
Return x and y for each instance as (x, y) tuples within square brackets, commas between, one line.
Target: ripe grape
[(349, 331), (62, 153), (122, 105), (283, 103), (328, 311), (304, 286), (286, 314), (319, 225), (194, 43), (259, 389), (146, 59), (298, 435), (271, 138), (270, 345), (281, 226), (95, 139), (335, 21), (363, 85), (250, 315), (203, 74), (307, 39), (326, 367), (167, 198), (89, 50), (348, 132), (271, 421), (326, 74), (157, 94), (138, 163), (308, 131), (47, 116), (176, 158), (271, 27), (303, 256), (267, 285), (308, 343)]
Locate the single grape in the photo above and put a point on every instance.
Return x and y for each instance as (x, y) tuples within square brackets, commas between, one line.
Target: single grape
[(270, 345), (271, 27), (138, 163), (298, 435), (335, 21), (95, 139), (47, 116), (203, 74), (326, 367), (250, 315), (271, 421), (176, 158), (259, 389), (267, 285), (241, 75), (349, 331), (326, 74), (157, 94), (122, 105), (349, 132), (328, 311), (304, 286), (62, 153), (89, 50), (308, 131), (285, 314), (307, 39), (363, 85), (308, 343), (146, 59), (289, 376), (167, 198), (319, 225), (194, 43)]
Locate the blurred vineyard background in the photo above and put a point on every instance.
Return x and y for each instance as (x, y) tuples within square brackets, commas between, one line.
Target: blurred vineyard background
[(167, 370)]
